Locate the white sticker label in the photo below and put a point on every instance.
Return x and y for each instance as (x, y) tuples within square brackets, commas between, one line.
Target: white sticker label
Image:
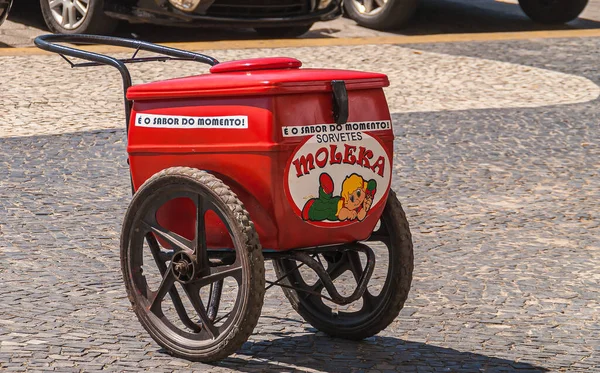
[(332, 128), (182, 122), (338, 182)]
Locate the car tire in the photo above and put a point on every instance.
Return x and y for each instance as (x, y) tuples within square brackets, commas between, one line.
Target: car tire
[(282, 32), (4, 9), (381, 15), (553, 11), (81, 20)]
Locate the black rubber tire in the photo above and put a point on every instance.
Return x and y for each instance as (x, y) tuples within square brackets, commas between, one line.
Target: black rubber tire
[(252, 287), (95, 22), (553, 11), (282, 32), (5, 6), (393, 16), (394, 292)]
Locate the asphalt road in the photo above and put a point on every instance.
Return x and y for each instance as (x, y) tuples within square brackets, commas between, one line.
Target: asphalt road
[(433, 17)]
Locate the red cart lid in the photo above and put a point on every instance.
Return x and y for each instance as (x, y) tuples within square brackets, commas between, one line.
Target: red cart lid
[(275, 75)]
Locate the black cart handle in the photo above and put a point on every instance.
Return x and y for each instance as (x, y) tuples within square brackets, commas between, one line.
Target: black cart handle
[(49, 43)]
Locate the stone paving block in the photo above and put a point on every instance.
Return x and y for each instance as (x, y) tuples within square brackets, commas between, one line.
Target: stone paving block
[(503, 205)]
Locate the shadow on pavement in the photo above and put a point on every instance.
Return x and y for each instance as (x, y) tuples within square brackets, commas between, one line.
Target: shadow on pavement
[(27, 13), (476, 16), (382, 353), (432, 17)]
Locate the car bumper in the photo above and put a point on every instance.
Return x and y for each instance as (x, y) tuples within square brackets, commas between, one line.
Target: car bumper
[(148, 12)]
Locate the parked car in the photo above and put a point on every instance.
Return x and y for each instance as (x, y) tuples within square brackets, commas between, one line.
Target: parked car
[(4, 9), (392, 14), (281, 18)]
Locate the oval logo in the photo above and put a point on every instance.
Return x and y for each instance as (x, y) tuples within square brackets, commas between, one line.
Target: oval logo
[(332, 183)]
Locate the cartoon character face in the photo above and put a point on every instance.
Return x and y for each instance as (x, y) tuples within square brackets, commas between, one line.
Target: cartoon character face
[(355, 199)]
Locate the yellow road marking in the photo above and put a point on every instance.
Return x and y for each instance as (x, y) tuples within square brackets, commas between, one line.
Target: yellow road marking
[(325, 42)]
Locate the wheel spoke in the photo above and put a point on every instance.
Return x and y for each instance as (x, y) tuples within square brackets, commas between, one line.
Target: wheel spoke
[(193, 293), (165, 256), (368, 6), (380, 3), (157, 254), (81, 8), (166, 284), (199, 243), (337, 269), (334, 270), (55, 4), (200, 239), (65, 16), (173, 238), (72, 16), (220, 273), (214, 300), (355, 265), (181, 312), (369, 301)]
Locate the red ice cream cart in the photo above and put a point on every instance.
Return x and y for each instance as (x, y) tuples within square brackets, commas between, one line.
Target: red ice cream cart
[(257, 159)]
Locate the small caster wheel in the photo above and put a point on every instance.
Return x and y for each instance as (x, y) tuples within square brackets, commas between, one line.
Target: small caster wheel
[(197, 301)]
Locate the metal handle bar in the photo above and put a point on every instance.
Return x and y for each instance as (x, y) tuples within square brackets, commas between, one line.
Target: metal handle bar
[(48, 42)]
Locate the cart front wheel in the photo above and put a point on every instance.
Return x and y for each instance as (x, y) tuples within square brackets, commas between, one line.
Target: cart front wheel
[(198, 301), (385, 294)]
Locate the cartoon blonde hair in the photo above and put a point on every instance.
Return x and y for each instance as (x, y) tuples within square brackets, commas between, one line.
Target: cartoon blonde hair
[(350, 184)]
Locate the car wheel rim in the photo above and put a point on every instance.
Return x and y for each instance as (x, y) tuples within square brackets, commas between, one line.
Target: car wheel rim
[(69, 14), (369, 7)]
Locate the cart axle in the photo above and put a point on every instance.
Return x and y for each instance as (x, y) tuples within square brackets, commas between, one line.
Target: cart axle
[(304, 258)]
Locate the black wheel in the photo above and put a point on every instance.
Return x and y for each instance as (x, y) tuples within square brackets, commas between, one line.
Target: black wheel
[(198, 302), (282, 32), (77, 17), (381, 14), (553, 11), (385, 295)]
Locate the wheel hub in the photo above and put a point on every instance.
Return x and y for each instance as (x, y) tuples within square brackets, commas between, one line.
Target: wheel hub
[(369, 7), (183, 267), (70, 14)]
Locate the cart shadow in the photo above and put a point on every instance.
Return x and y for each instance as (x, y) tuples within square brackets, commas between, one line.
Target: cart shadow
[(323, 353)]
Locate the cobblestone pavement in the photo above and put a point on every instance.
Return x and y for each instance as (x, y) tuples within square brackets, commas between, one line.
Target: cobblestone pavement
[(503, 203), (421, 81)]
